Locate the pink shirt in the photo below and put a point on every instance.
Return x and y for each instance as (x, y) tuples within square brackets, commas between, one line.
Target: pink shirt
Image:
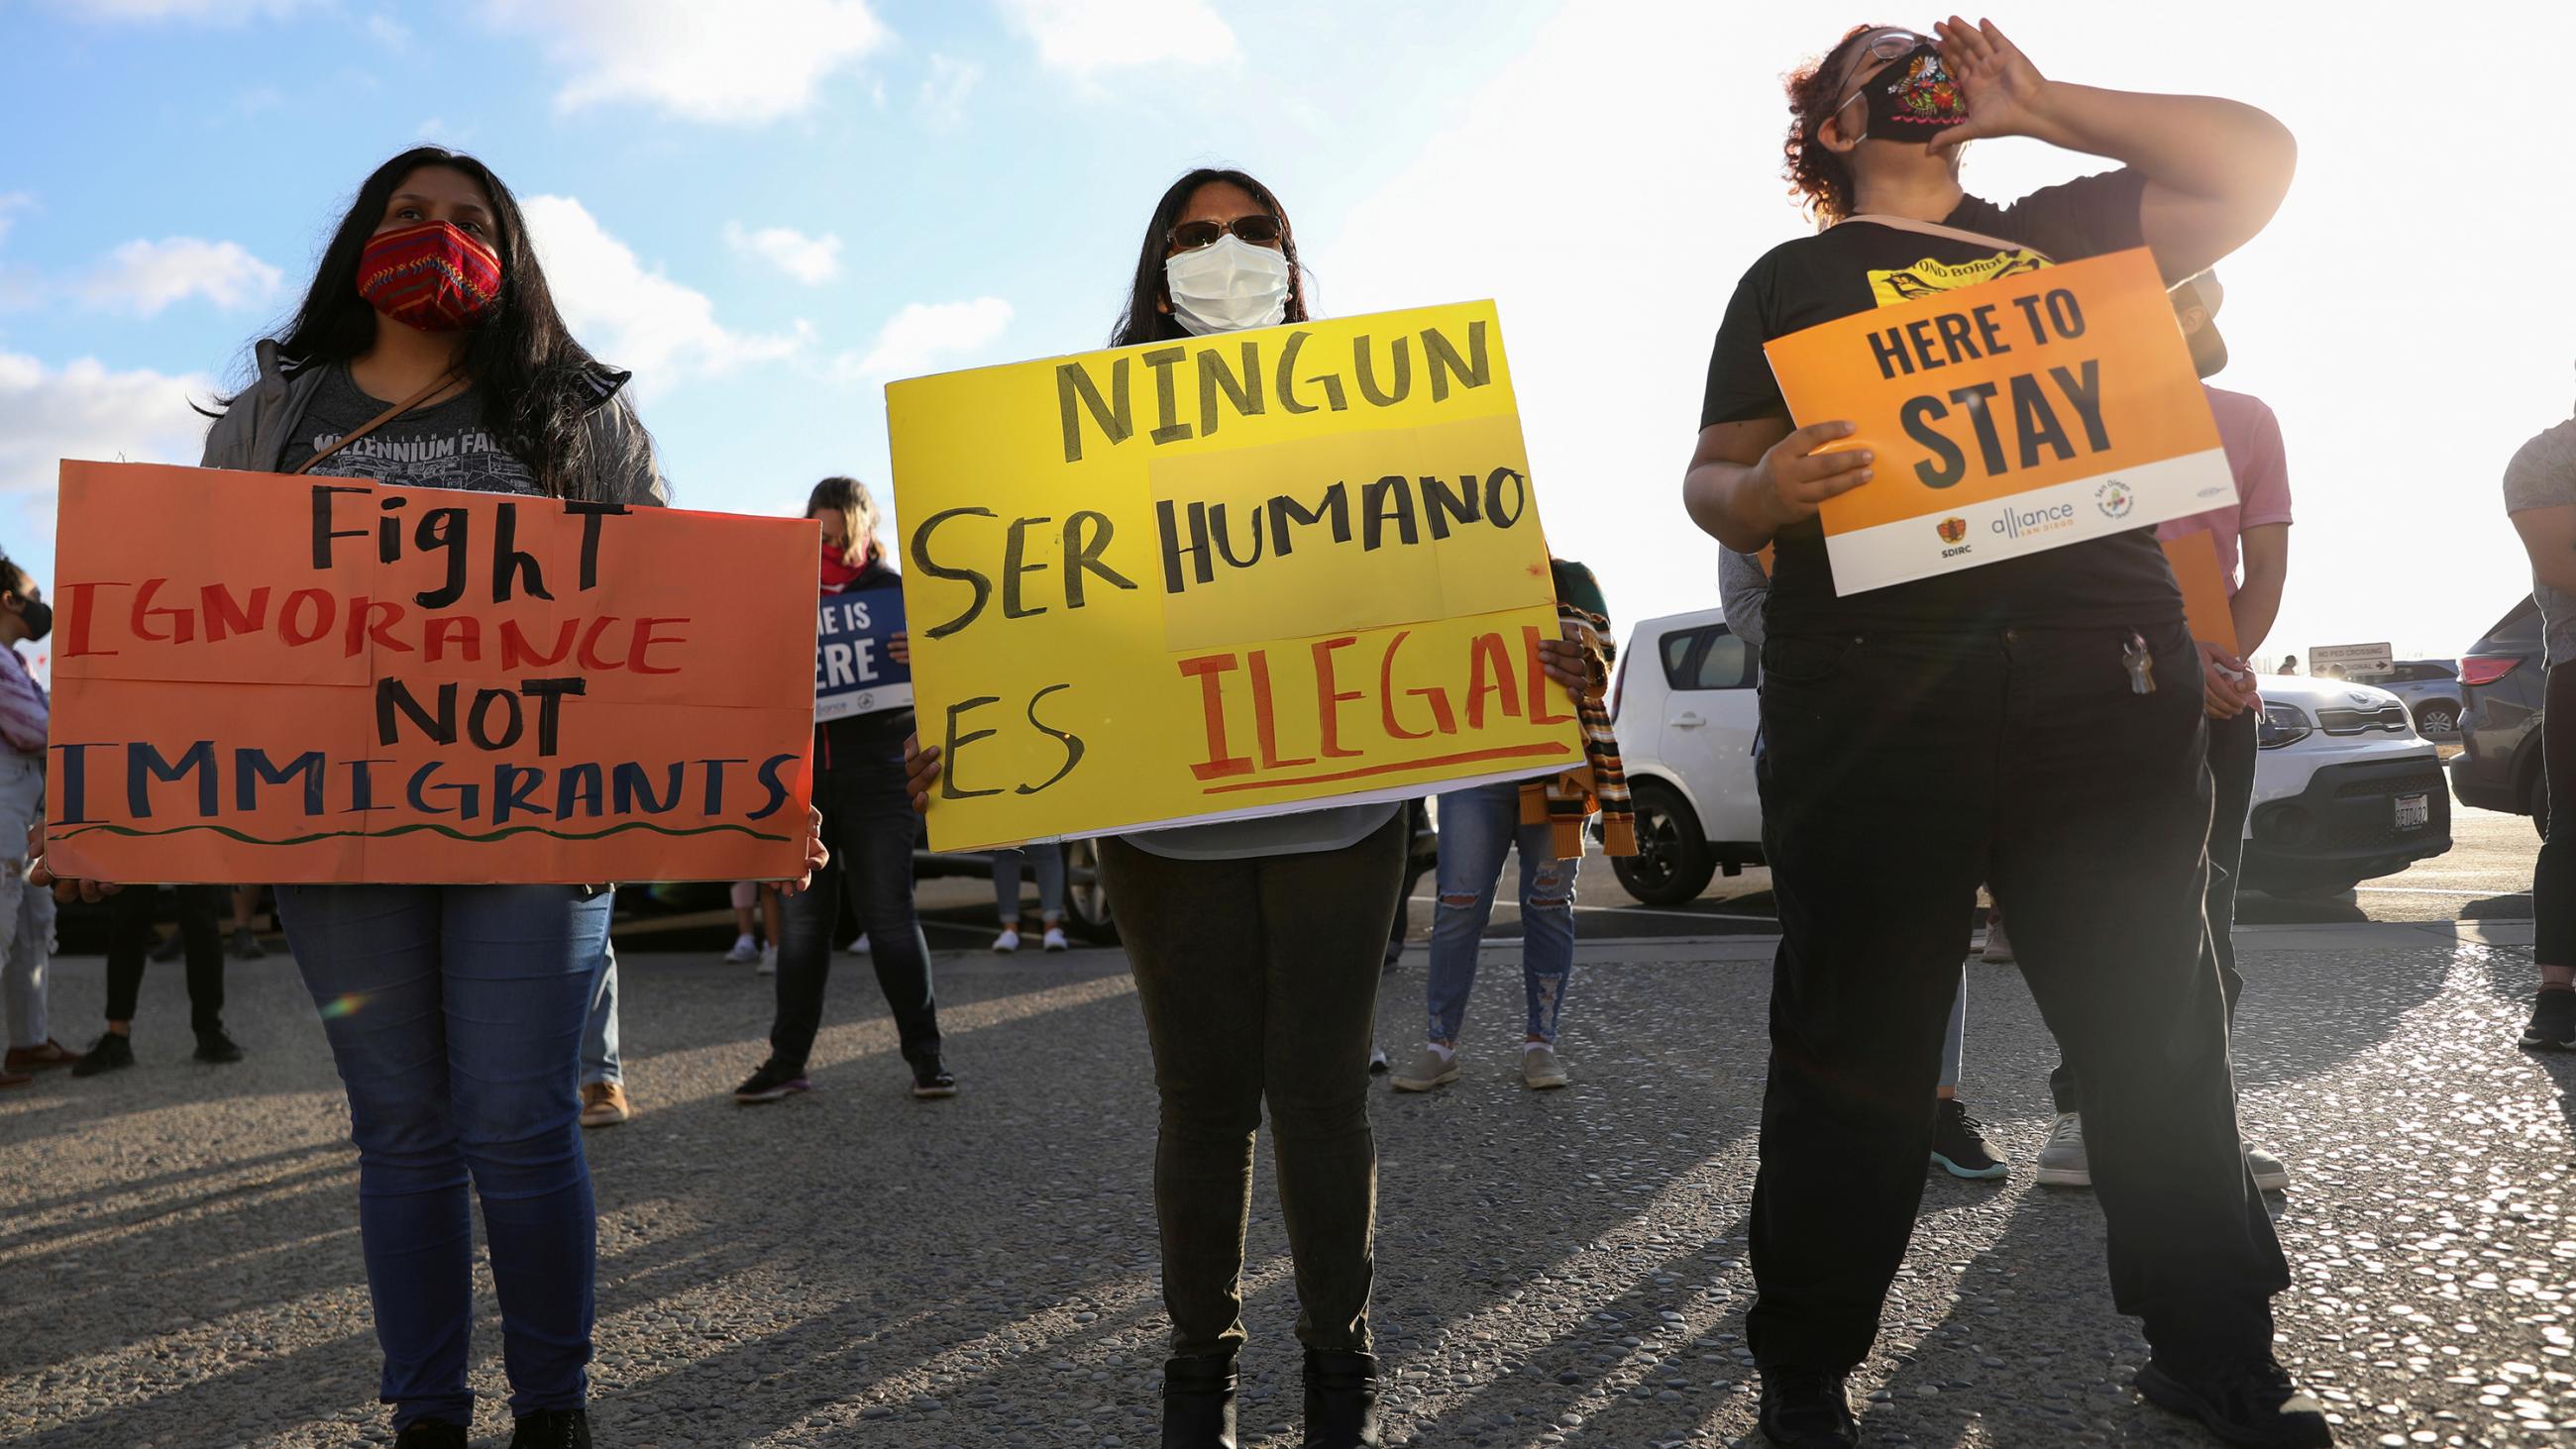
[(2255, 456), (22, 706)]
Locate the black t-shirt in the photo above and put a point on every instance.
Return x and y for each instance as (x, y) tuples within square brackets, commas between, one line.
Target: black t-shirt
[(2122, 580), (444, 445)]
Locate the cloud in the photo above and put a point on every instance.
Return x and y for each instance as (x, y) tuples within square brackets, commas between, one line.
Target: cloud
[(923, 333), (85, 411), (221, 12), (143, 277), (812, 260), (944, 91), (633, 317), (744, 62), (390, 33), (1084, 36), (12, 202)]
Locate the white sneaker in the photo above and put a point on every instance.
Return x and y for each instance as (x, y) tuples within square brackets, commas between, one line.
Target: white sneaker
[(2270, 1173), (745, 951), (1540, 1070), (1007, 942), (1055, 940), (768, 960), (859, 947), (1998, 948), (1429, 1070), (2062, 1163)]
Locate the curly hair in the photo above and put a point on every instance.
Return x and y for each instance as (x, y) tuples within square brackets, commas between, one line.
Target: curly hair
[(1820, 178)]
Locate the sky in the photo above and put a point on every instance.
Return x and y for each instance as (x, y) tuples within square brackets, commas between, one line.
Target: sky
[(767, 209)]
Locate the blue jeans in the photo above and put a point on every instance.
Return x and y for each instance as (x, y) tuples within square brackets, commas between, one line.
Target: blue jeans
[(1047, 859), (599, 1061), (455, 1015), (1476, 826)]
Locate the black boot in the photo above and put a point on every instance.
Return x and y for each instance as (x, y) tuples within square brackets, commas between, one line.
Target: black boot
[(1198, 1403), (1341, 1399)]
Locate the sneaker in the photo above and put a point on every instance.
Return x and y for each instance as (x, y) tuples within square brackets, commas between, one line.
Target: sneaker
[(1540, 1070), (214, 1046), (604, 1104), (930, 1079), (431, 1434), (2270, 1173), (552, 1429), (1998, 945), (1807, 1409), (1007, 942), (745, 951), (1430, 1069), (47, 1053), (1378, 1065), (1959, 1143), (109, 1053), (170, 948), (768, 961), (245, 946), (2062, 1162), (2553, 1022), (2251, 1402), (1055, 940), (772, 1082), (859, 947)]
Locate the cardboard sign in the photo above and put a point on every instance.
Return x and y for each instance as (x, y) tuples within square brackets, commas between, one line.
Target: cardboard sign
[(2194, 559), (2040, 409), (853, 673), (262, 678), (1230, 576)]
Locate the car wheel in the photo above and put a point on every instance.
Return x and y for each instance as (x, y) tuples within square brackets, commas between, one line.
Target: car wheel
[(1086, 895), (1673, 863), (2440, 719)]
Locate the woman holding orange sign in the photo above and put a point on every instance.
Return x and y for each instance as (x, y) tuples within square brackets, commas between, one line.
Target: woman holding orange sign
[(2002, 723)]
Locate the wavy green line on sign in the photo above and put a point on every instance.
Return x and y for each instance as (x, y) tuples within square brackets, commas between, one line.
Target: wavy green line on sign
[(449, 831)]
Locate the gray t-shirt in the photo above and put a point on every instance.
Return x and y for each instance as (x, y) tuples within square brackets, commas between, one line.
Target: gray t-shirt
[(1742, 589), (2543, 475), (441, 446)]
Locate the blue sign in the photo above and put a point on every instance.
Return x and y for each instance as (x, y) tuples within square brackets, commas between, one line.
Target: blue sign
[(852, 672)]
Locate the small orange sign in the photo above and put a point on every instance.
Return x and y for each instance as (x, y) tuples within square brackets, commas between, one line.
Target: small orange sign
[(2194, 557)]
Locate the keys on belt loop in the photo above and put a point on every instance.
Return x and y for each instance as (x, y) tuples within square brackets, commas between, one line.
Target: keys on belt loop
[(2141, 664)]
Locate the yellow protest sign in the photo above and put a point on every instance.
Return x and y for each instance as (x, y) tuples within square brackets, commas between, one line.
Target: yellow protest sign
[(2046, 407), (1223, 577)]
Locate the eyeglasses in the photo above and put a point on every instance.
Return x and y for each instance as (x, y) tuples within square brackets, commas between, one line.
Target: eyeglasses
[(1261, 231), (1891, 45)]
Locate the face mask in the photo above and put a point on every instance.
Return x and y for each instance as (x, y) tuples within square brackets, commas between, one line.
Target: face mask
[(433, 277), (838, 571), (39, 617), (1913, 98), (1228, 286)]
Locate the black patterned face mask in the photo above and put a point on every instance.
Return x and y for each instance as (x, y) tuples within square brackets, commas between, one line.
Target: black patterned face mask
[(1914, 98)]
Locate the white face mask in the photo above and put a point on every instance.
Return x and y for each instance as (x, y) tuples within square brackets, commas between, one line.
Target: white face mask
[(1228, 286)]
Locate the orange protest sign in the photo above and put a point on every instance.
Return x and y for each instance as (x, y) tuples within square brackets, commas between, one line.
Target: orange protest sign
[(262, 678), (2194, 558), (2044, 408)]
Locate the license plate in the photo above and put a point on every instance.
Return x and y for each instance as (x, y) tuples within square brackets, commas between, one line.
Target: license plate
[(2414, 812)]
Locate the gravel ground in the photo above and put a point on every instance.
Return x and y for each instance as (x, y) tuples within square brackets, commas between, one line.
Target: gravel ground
[(179, 1251)]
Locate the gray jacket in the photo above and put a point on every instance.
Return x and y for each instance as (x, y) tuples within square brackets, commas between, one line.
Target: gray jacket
[(253, 435)]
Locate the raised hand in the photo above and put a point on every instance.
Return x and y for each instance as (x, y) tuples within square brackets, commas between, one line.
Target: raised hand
[(1997, 80)]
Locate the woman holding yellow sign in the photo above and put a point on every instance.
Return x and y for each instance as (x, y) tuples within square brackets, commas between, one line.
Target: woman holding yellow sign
[(2033, 722)]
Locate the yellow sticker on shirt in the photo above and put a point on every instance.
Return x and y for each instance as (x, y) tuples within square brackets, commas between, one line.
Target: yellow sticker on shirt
[(1898, 285)]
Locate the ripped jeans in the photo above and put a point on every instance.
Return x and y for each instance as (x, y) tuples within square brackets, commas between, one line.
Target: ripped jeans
[(1476, 826)]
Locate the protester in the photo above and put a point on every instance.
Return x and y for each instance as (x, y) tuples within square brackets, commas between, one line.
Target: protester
[(603, 1076), (859, 786), (1959, 1144), (1477, 826), (1048, 861), (1889, 715), (2290, 664), (1256, 947), (2540, 494), (129, 926), (2252, 539), (26, 916), (750, 896), (454, 1013)]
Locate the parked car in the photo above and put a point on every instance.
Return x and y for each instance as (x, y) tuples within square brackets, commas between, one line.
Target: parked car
[(2502, 682), (1685, 706), (2431, 689), (2345, 790)]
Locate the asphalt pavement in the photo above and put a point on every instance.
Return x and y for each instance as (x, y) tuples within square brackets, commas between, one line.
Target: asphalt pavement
[(178, 1243)]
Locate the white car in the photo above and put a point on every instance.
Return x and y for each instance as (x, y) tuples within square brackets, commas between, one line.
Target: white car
[(2344, 789)]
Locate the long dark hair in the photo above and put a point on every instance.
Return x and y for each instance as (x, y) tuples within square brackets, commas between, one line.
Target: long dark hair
[(534, 380), (1145, 320), (1817, 174)]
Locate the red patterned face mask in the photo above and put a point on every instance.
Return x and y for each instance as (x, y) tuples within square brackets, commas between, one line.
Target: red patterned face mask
[(432, 276)]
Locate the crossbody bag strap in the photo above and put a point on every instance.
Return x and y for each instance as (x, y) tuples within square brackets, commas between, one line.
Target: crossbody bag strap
[(1934, 228), (437, 385)]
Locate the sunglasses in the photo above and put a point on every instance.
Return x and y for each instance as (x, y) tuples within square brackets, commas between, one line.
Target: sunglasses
[(1261, 231)]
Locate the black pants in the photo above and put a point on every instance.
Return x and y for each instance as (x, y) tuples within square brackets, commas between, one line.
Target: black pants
[(1259, 982), (2553, 877), (1897, 773), (2231, 778), (129, 940), (869, 827)]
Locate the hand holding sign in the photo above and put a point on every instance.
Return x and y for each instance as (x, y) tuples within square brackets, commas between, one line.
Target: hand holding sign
[(1797, 474)]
